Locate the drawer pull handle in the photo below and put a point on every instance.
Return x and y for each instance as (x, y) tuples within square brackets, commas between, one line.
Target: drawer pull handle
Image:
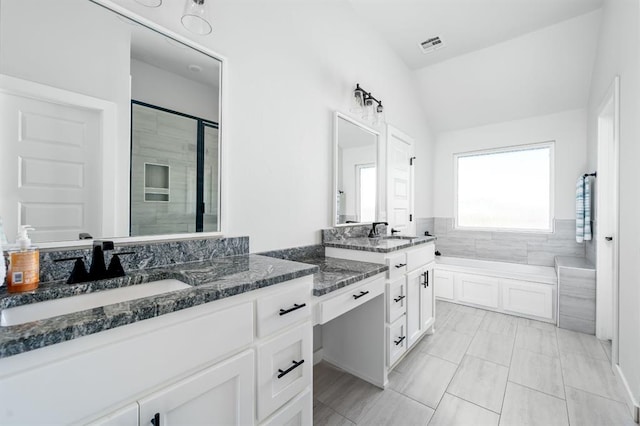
[(295, 308), (295, 365), (397, 342), (362, 293), (400, 265), (155, 421), (399, 298), (425, 284)]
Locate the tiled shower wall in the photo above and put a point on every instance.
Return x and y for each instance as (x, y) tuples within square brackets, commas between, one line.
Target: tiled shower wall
[(514, 247)]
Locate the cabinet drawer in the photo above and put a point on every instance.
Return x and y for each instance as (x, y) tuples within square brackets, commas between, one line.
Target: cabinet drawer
[(443, 284), (297, 412), (477, 289), (284, 368), (527, 298), (347, 300), (419, 257), (283, 308), (396, 339), (397, 264), (396, 299)]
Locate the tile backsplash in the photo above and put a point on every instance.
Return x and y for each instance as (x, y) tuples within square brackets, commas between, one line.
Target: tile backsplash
[(514, 247), (146, 255)]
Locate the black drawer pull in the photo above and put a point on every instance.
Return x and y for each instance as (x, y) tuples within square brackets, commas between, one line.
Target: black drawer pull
[(425, 284), (397, 342), (295, 308), (400, 265), (295, 365), (155, 421), (362, 293), (399, 298)]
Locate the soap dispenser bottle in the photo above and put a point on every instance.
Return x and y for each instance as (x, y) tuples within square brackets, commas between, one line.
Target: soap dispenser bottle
[(24, 264)]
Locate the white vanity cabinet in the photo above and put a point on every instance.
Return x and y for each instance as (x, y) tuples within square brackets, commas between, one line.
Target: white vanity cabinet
[(214, 363), (409, 295)]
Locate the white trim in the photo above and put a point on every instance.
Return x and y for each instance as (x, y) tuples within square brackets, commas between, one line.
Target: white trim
[(632, 403), (334, 193), (513, 148)]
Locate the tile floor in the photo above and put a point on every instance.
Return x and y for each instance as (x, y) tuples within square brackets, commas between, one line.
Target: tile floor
[(482, 368)]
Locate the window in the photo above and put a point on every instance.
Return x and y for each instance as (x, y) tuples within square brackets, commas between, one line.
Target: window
[(366, 192), (505, 189)]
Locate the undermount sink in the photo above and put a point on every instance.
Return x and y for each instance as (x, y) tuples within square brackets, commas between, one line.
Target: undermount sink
[(67, 305)]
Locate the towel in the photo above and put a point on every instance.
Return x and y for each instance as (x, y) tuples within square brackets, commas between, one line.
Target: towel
[(583, 209)]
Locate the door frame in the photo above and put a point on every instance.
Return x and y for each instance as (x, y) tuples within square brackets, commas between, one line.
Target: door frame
[(399, 134), (113, 203), (607, 313)]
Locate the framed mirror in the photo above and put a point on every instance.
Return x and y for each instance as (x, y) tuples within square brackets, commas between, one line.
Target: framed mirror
[(110, 127), (356, 172)]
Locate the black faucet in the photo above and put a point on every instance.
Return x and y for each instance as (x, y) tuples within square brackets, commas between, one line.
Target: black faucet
[(374, 232), (98, 269)]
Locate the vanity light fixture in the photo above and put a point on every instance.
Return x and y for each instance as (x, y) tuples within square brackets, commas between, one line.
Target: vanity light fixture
[(364, 103), (196, 17)]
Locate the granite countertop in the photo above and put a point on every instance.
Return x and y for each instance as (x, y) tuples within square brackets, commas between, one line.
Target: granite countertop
[(338, 273), (210, 280), (385, 244)]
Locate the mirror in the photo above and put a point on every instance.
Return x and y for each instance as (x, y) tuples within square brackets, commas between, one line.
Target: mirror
[(110, 128), (356, 168)]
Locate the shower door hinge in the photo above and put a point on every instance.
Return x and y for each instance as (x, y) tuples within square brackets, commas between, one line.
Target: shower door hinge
[(411, 160)]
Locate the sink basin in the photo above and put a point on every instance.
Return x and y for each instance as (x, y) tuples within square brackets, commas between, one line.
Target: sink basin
[(67, 305)]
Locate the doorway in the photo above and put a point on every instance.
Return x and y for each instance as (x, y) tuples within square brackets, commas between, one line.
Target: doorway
[(400, 181), (607, 219)]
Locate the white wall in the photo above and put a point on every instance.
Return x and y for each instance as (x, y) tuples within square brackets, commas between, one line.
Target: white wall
[(539, 73), (178, 93), (568, 129), (291, 64), (618, 54)]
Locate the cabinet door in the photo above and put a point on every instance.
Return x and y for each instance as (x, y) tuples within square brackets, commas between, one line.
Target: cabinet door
[(222, 394), (443, 284), (532, 299), (125, 416), (414, 283), (426, 300), (396, 340), (396, 299), (298, 412), (478, 290)]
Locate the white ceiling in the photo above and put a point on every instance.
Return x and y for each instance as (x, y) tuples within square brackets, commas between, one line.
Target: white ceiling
[(463, 25), (540, 73)]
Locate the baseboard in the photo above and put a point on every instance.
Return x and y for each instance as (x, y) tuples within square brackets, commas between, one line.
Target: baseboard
[(355, 373), (631, 401), (317, 356)]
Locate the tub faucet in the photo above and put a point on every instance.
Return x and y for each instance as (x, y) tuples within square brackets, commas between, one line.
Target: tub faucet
[(374, 231)]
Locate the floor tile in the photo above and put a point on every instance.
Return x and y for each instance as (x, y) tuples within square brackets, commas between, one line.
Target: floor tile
[(411, 358), (481, 382), (494, 322), (325, 416), (469, 310), (442, 318), (591, 375), (580, 343), (536, 371), (524, 406), (454, 411), (586, 409), (463, 322), (492, 347), (446, 344), (393, 408), (426, 380), (542, 341), (349, 396), (526, 322), (325, 375)]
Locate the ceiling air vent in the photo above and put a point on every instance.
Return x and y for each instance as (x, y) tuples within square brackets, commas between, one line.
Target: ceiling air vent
[(432, 44)]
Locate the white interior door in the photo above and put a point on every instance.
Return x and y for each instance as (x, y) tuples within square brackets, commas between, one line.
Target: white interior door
[(51, 169), (607, 218), (400, 149)]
